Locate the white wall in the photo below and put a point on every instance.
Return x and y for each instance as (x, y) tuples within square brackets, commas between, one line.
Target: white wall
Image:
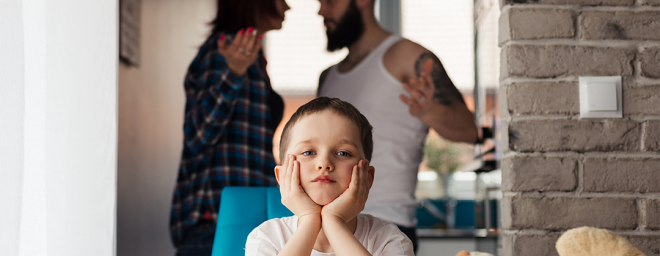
[(12, 111), (151, 104), (58, 77), (297, 53), (445, 27)]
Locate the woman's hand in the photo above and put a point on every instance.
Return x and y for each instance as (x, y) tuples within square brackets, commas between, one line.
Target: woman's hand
[(242, 52), (350, 203), (293, 195)]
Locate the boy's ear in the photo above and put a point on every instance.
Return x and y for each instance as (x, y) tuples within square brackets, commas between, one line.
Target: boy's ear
[(372, 172), (277, 170)]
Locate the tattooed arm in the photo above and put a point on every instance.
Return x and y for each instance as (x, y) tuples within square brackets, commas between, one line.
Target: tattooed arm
[(433, 97), (445, 92)]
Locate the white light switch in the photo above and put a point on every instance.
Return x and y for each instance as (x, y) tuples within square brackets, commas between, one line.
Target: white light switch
[(600, 97)]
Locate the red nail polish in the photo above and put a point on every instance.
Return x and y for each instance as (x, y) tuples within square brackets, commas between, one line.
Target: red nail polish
[(249, 30), (222, 37), (241, 32), (261, 37)]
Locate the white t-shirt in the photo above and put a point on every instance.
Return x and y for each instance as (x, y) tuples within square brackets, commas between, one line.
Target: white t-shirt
[(379, 237)]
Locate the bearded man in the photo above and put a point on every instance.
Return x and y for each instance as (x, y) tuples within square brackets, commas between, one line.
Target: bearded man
[(403, 89)]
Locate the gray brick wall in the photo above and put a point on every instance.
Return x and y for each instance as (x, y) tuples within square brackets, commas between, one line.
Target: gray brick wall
[(560, 171)]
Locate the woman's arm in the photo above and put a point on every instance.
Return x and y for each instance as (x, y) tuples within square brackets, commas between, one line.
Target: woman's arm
[(213, 84), (211, 108)]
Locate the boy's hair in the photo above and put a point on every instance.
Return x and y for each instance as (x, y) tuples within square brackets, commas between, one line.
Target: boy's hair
[(340, 107)]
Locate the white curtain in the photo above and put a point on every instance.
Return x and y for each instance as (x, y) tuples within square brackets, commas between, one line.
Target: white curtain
[(58, 127)]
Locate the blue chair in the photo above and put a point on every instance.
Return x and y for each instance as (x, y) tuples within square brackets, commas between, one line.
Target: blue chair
[(241, 210)]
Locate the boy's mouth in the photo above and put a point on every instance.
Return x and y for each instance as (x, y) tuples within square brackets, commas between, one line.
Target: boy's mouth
[(324, 179)]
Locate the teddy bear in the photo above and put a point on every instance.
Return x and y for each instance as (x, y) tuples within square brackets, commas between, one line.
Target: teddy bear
[(588, 241), (465, 253)]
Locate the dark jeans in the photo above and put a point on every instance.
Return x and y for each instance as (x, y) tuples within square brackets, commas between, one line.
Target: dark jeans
[(412, 235), (198, 240)]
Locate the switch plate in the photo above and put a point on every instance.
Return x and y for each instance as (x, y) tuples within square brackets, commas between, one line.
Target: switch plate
[(600, 97)]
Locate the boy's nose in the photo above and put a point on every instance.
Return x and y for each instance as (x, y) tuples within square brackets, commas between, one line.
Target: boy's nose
[(324, 166)]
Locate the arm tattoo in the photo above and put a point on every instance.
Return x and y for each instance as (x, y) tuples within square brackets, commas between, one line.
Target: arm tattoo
[(445, 91)]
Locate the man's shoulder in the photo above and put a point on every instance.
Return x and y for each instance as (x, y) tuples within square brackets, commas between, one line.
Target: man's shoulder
[(322, 78), (400, 58), (405, 49)]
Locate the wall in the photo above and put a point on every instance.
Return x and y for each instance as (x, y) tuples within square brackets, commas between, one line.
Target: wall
[(58, 132), (151, 103), (559, 171)]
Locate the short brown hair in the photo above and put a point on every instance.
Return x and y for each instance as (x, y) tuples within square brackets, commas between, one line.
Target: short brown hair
[(340, 107)]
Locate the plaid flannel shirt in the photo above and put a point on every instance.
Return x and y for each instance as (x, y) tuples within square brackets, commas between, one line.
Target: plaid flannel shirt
[(228, 132)]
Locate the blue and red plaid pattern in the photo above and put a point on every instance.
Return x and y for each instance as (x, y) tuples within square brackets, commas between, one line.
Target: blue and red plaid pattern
[(228, 132)]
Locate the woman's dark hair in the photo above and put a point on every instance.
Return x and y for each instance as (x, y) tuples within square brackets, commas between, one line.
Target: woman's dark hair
[(234, 15)]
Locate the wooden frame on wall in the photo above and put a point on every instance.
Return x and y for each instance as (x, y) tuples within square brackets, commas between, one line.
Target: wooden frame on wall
[(129, 32)]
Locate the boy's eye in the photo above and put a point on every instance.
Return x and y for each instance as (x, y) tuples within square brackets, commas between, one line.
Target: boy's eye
[(307, 153), (343, 153)]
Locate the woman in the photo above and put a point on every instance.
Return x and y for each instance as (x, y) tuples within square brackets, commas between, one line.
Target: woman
[(230, 117)]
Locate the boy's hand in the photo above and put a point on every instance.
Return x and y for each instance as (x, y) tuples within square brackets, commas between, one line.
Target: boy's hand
[(293, 195), (350, 203)]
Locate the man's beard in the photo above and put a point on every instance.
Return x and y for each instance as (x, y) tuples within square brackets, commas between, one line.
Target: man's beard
[(348, 30)]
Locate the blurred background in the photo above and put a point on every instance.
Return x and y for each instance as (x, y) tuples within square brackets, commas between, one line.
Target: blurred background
[(462, 33)]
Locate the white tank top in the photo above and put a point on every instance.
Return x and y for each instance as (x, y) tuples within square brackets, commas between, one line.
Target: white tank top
[(398, 136)]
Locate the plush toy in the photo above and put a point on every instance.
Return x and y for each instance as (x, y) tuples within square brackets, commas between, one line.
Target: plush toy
[(465, 253), (586, 241)]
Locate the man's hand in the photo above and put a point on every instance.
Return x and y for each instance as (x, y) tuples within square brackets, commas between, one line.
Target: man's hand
[(421, 91), (293, 195), (242, 52), (435, 101), (351, 202)]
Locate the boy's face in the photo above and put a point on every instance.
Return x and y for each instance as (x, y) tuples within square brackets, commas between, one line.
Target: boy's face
[(327, 146)]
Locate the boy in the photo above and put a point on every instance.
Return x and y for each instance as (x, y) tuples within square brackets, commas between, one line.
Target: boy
[(324, 180)]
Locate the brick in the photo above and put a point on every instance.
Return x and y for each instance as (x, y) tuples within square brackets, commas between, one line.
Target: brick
[(651, 2), (574, 2), (649, 245), (620, 25), (503, 102), (538, 24), (652, 214), (530, 245), (563, 213), (622, 175), (539, 174), (574, 135), (641, 100), (652, 136), (543, 98), (547, 61), (651, 62)]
